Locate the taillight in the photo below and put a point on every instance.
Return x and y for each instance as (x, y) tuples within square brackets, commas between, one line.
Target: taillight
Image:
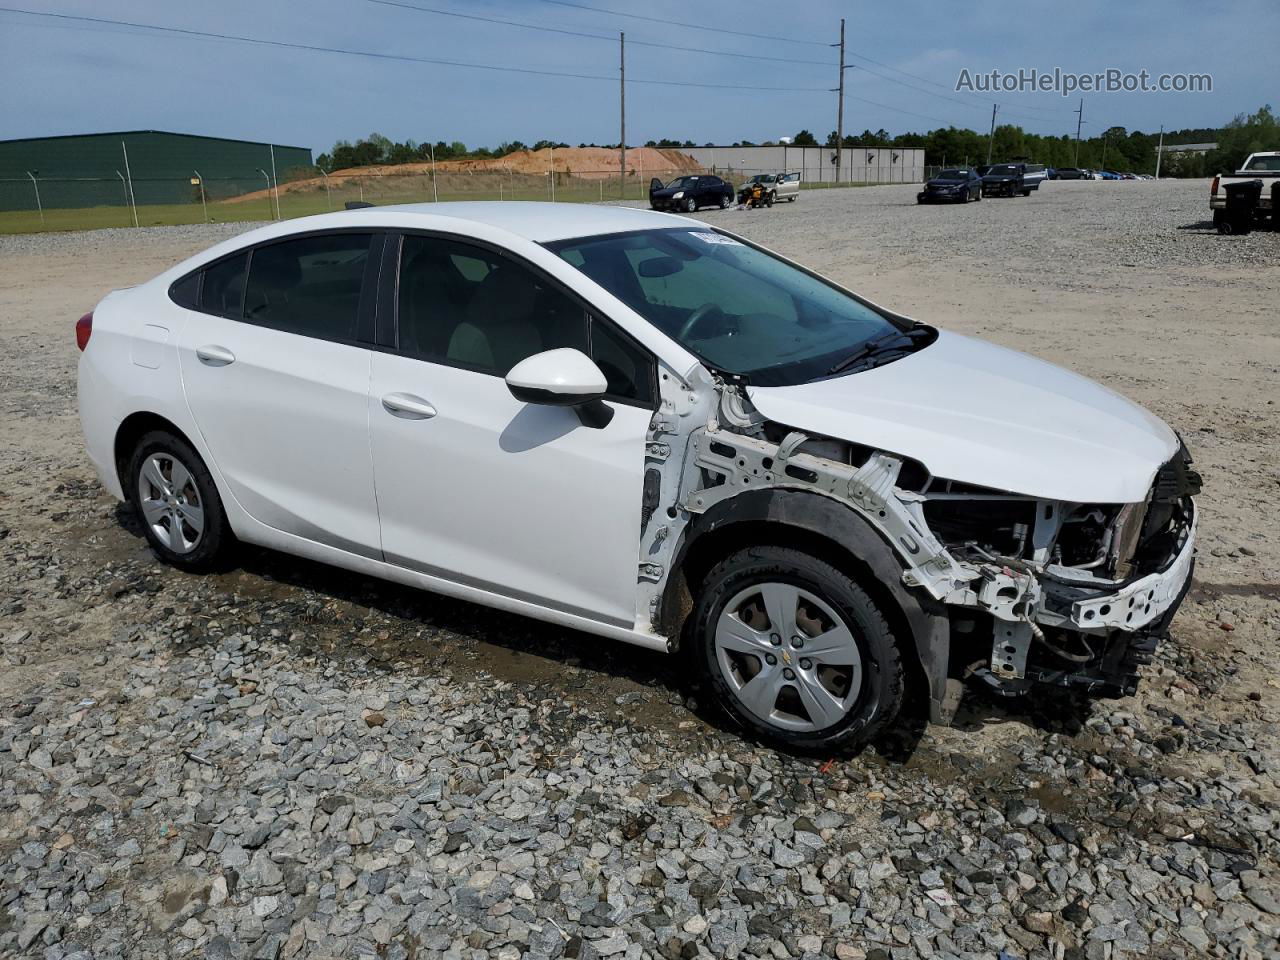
[(1213, 191), (84, 329)]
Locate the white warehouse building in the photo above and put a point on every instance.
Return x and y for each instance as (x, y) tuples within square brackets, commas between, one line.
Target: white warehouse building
[(816, 164)]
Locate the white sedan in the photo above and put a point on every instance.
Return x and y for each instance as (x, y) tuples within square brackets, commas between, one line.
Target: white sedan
[(643, 427)]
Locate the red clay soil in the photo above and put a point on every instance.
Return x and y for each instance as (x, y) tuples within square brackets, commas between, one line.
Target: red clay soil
[(589, 163)]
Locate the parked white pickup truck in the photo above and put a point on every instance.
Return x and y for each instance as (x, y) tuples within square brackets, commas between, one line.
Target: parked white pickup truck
[(1258, 166)]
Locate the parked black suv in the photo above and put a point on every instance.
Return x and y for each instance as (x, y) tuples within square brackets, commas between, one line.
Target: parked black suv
[(1004, 180), (690, 192)]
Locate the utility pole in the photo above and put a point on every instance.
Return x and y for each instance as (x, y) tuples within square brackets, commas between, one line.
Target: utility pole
[(622, 114), (1159, 151), (1079, 122), (840, 105), (992, 135)]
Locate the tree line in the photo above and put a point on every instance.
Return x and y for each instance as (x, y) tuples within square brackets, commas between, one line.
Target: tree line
[(1113, 149)]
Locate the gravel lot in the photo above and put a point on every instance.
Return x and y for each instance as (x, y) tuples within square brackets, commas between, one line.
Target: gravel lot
[(287, 761)]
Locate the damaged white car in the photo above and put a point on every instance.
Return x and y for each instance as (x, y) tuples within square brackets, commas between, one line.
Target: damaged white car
[(640, 426)]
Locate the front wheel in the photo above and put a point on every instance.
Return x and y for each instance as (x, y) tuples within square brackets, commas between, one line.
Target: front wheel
[(690, 204), (179, 506), (795, 651)]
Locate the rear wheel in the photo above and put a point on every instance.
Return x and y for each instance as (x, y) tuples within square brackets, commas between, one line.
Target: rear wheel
[(795, 651), (178, 504), (724, 203)]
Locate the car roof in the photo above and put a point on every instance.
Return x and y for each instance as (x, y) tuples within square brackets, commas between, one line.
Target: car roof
[(539, 222)]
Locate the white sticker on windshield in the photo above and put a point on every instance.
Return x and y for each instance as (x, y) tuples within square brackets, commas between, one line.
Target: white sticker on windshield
[(715, 238)]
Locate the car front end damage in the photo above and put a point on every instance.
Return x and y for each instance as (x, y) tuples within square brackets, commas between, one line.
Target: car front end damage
[(1026, 590)]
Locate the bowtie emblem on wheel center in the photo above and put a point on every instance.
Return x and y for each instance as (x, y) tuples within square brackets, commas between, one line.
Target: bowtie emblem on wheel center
[(786, 657)]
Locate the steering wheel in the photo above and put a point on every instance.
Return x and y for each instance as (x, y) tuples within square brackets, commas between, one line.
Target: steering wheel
[(695, 318)]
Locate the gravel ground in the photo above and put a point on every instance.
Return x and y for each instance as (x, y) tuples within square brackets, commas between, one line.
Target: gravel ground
[(289, 761)]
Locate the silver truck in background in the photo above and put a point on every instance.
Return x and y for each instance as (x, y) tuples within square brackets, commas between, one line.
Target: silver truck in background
[(1251, 194)]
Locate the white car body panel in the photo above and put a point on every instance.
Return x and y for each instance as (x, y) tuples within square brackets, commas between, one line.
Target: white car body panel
[(982, 414), (515, 498), (287, 423)]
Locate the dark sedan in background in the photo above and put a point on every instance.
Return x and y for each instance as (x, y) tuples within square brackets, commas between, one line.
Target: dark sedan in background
[(954, 185), (690, 192)]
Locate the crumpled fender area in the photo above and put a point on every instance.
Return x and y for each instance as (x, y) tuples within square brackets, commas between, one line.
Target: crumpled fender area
[(873, 561)]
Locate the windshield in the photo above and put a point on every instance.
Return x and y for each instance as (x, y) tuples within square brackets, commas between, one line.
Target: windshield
[(951, 175), (1264, 163), (1004, 170), (762, 178), (740, 309), (682, 182)]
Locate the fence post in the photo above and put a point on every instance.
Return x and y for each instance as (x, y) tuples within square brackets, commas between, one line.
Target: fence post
[(39, 205), (328, 197), (204, 204), (125, 186), (275, 190), (133, 200), (267, 177)]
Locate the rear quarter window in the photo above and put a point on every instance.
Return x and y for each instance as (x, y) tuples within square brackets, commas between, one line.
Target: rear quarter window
[(186, 292)]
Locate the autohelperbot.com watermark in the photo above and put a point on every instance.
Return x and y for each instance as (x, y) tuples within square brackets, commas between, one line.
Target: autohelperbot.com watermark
[(1066, 83)]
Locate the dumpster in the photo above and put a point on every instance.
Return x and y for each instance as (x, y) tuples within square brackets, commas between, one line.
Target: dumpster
[(1242, 201)]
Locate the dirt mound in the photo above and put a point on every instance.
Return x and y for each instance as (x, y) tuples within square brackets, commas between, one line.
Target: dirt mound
[(589, 163)]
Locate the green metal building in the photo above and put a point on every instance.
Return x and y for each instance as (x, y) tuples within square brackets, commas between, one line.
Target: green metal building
[(100, 169)]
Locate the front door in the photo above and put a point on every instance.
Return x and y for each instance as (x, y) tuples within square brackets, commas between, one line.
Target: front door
[(477, 487), (279, 388)]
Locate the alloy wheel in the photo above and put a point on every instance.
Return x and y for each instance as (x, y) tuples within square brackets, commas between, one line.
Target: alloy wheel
[(788, 657), (170, 502)]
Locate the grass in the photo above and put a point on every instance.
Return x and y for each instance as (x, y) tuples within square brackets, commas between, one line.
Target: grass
[(301, 203)]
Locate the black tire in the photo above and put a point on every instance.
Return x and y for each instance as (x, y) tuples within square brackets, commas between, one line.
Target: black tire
[(883, 678), (216, 542), (1026, 193), (690, 205), (978, 195), (724, 203)]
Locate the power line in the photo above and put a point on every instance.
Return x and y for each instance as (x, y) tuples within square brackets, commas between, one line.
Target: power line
[(934, 83), (592, 36), (669, 46), (404, 58), (691, 26), (761, 36)]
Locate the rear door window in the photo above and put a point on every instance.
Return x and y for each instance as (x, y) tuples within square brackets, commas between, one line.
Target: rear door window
[(223, 289), (308, 285)]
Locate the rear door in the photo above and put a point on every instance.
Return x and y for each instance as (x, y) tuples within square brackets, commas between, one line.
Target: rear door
[(277, 381), (479, 488)]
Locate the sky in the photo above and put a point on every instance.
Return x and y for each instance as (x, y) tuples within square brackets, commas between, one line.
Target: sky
[(63, 76)]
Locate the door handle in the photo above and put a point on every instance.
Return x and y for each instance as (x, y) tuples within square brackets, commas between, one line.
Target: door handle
[(211, 355), (407, 406)]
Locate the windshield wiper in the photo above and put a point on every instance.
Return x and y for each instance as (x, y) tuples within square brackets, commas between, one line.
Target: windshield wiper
[(881, 345)]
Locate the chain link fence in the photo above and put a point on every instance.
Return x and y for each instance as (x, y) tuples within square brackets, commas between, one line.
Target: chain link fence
[(37, 204)]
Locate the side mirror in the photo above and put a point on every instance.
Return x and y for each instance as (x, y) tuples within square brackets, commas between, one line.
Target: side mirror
[(563, 377)]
